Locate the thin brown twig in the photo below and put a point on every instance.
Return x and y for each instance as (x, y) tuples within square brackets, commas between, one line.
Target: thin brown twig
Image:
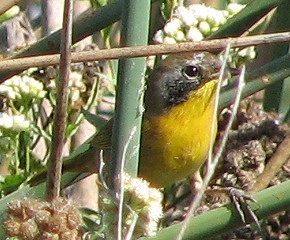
[(275, 163), (141, 51), (59, 121)]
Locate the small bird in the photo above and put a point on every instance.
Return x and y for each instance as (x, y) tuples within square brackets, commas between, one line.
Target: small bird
[(177, 123)]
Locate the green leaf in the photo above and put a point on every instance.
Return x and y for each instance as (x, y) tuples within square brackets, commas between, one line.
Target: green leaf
[(70, 129), (92, 219), (273, 97), (11, 183), (246, 18), (94, 119)]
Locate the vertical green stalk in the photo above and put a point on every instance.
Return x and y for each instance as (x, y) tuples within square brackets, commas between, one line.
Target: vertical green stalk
[(130, 89), (16, 151), (27, 159), (280, 22)]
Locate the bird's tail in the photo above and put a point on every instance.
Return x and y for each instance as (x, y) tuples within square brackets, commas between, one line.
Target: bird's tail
[(81, 162)]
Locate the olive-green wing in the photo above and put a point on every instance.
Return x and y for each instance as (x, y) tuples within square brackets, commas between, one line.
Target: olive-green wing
[(85, 158)]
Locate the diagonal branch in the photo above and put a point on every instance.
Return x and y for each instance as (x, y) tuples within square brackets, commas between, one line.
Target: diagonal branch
[(141, 51)]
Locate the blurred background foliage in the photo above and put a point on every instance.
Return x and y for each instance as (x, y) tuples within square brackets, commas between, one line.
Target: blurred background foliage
[(27, 99)]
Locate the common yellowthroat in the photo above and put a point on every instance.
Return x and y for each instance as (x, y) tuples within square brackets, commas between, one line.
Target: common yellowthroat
[(176, 129)]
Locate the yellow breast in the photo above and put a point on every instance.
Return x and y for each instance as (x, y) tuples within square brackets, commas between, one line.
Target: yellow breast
[(176, 143)]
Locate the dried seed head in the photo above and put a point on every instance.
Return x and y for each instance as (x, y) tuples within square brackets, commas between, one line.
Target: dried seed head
[(37, 219)]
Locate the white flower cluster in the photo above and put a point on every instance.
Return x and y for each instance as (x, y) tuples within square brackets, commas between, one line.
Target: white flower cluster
[(194, 23), (15, 123), (76, 88), (144, 201), (248, 52), (22, 88), (237, 56)]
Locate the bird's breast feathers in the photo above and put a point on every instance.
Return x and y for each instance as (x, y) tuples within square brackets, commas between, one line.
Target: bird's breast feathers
[(180, 137)]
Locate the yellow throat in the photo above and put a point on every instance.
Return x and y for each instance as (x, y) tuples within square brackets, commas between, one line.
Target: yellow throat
[(176, 143)]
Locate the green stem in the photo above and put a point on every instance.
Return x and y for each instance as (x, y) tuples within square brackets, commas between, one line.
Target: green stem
[(130, 88), (27, 158), (225, 219), (16, 152), (273, 97), (257, 80)]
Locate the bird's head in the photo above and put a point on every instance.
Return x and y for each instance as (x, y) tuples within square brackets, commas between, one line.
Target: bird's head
[(177, 77)]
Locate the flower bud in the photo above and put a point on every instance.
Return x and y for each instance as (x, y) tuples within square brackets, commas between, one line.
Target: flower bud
[(6, 121), (159, 36), (186, 16), (180, 37), (204, 28), (169, 40), (216, 18), (172, 27), (194, 34), (234, 8), (199, 11)]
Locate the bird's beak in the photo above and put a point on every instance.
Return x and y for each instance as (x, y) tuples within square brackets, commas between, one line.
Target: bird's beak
[(229, 72)]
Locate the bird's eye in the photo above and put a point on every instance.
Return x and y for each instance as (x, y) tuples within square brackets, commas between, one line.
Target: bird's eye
[(191, 71)]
